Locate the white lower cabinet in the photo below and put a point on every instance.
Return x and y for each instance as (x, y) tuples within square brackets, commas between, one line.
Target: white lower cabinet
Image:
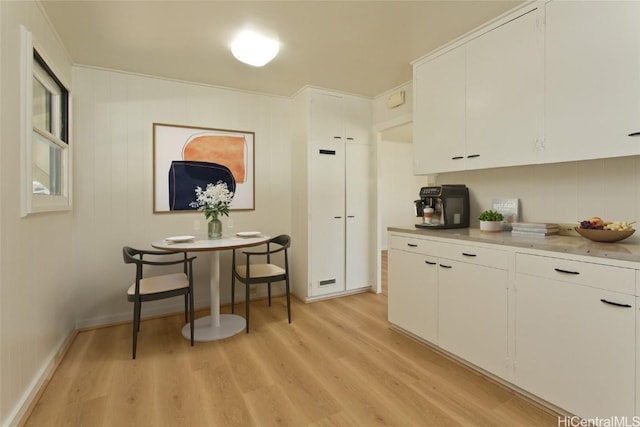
[(413, 304), (574, 343), (472, 307), (457, 300), (569, 324)]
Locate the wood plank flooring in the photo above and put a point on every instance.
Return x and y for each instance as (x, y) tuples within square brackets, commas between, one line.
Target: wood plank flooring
[(337, 364)]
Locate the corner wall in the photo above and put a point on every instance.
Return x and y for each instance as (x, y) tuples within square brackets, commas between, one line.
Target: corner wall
[(114, 113), (36, 291)]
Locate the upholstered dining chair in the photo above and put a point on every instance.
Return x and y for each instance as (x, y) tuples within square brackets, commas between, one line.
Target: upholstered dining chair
[(268, 272), (161, 286)]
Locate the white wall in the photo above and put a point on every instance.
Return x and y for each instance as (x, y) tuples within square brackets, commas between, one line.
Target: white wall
[(561, 192), (114, 113), (36, 290), (382, 114), (398, 188)]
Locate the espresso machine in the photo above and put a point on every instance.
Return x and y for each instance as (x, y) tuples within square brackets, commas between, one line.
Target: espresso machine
[(444, 206)]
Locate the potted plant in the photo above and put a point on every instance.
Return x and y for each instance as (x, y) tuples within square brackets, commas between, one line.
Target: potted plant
[(491, 220)]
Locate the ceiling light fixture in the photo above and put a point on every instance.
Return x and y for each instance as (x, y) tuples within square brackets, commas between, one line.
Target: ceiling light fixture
[(254, 49)]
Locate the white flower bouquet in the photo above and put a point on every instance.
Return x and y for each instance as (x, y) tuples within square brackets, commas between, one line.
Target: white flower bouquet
[(214, 201)]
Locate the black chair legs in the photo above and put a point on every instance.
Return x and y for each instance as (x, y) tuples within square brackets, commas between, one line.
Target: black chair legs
[(262, 273), (136, 327), (288, 300), (247, 301), (151, 288)]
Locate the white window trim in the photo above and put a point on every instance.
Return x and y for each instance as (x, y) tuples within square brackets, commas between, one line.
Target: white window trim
[(35, 203)]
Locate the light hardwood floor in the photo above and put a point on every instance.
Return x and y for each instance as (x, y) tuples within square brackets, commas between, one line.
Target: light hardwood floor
[(337, 364)]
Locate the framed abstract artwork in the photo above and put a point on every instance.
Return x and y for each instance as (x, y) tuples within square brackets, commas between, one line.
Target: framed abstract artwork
[(186, 157)]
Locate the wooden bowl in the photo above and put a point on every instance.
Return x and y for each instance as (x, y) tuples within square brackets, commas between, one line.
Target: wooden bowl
[(604, 235)]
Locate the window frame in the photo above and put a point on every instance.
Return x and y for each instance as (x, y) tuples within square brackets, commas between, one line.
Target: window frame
[(31, 202)]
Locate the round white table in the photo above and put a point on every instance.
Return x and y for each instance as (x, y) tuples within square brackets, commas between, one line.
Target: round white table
[(216, 326)]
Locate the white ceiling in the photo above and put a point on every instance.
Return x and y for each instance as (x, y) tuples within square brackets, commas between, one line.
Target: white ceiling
[(360, 47)]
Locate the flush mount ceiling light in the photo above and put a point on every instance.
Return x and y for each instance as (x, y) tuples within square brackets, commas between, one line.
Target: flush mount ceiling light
[(254, 49)]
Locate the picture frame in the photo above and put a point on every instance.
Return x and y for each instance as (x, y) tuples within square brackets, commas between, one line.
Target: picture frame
[(185, 157)]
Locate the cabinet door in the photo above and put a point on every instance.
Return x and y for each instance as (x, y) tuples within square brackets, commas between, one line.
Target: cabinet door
[(592, 61), (358, 240), (439, 115), (573, 349), (413, 293), (327, 222), (504, 94), (472, 321), (327, 119), (357, 120)]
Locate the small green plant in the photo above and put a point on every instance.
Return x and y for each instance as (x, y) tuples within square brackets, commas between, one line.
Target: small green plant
[(490, 215)]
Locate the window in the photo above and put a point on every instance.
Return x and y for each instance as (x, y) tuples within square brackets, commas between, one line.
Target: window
[(46, 146)]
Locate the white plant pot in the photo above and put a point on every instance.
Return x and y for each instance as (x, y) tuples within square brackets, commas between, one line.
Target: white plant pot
[(490, 225)]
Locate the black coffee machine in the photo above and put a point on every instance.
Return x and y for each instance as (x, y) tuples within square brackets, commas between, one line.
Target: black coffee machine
[(444, 206)]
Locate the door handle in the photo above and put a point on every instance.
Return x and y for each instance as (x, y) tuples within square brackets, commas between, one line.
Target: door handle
[(445, 266), (466, 254), (429, 262), (634, 134), (559, 270), (471, 156), (337, 217), (617, 304), (412, 245)]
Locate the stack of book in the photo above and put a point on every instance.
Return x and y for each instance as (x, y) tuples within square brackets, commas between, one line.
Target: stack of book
[(534, 229)]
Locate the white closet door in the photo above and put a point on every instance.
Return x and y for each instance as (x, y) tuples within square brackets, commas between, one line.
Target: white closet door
[(327, 219), (358, 242)]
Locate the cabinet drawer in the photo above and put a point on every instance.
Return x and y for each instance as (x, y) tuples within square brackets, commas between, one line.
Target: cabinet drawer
[(410, 244), (475, 255), (599, 276)]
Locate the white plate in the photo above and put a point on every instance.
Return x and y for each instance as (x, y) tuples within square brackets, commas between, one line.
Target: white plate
[(248, 233), (180, 239)]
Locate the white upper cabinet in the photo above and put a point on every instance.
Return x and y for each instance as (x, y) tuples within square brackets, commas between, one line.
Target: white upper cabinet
[(479, 105), (504, 94), (327, 120), (357, 120), (592, 78), (552, 82), (439, 131)]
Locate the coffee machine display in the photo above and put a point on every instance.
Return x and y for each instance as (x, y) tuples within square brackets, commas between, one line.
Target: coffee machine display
[(444, 206)]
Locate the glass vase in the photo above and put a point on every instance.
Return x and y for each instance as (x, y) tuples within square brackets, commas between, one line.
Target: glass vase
[(214, 229)]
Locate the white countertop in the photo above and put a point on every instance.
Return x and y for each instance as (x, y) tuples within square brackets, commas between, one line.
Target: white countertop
[(624, 251)]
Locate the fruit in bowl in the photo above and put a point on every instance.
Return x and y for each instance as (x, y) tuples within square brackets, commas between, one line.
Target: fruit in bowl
[(598, 230)]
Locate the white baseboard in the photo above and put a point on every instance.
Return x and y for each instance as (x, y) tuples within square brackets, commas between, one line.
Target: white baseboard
[(21, 409), (174, 305)]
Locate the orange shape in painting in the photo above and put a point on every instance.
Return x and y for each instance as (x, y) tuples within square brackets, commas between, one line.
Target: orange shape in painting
[(222, 149)]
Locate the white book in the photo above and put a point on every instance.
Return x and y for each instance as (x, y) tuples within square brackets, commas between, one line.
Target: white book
[(510, 210), (533, 234)]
